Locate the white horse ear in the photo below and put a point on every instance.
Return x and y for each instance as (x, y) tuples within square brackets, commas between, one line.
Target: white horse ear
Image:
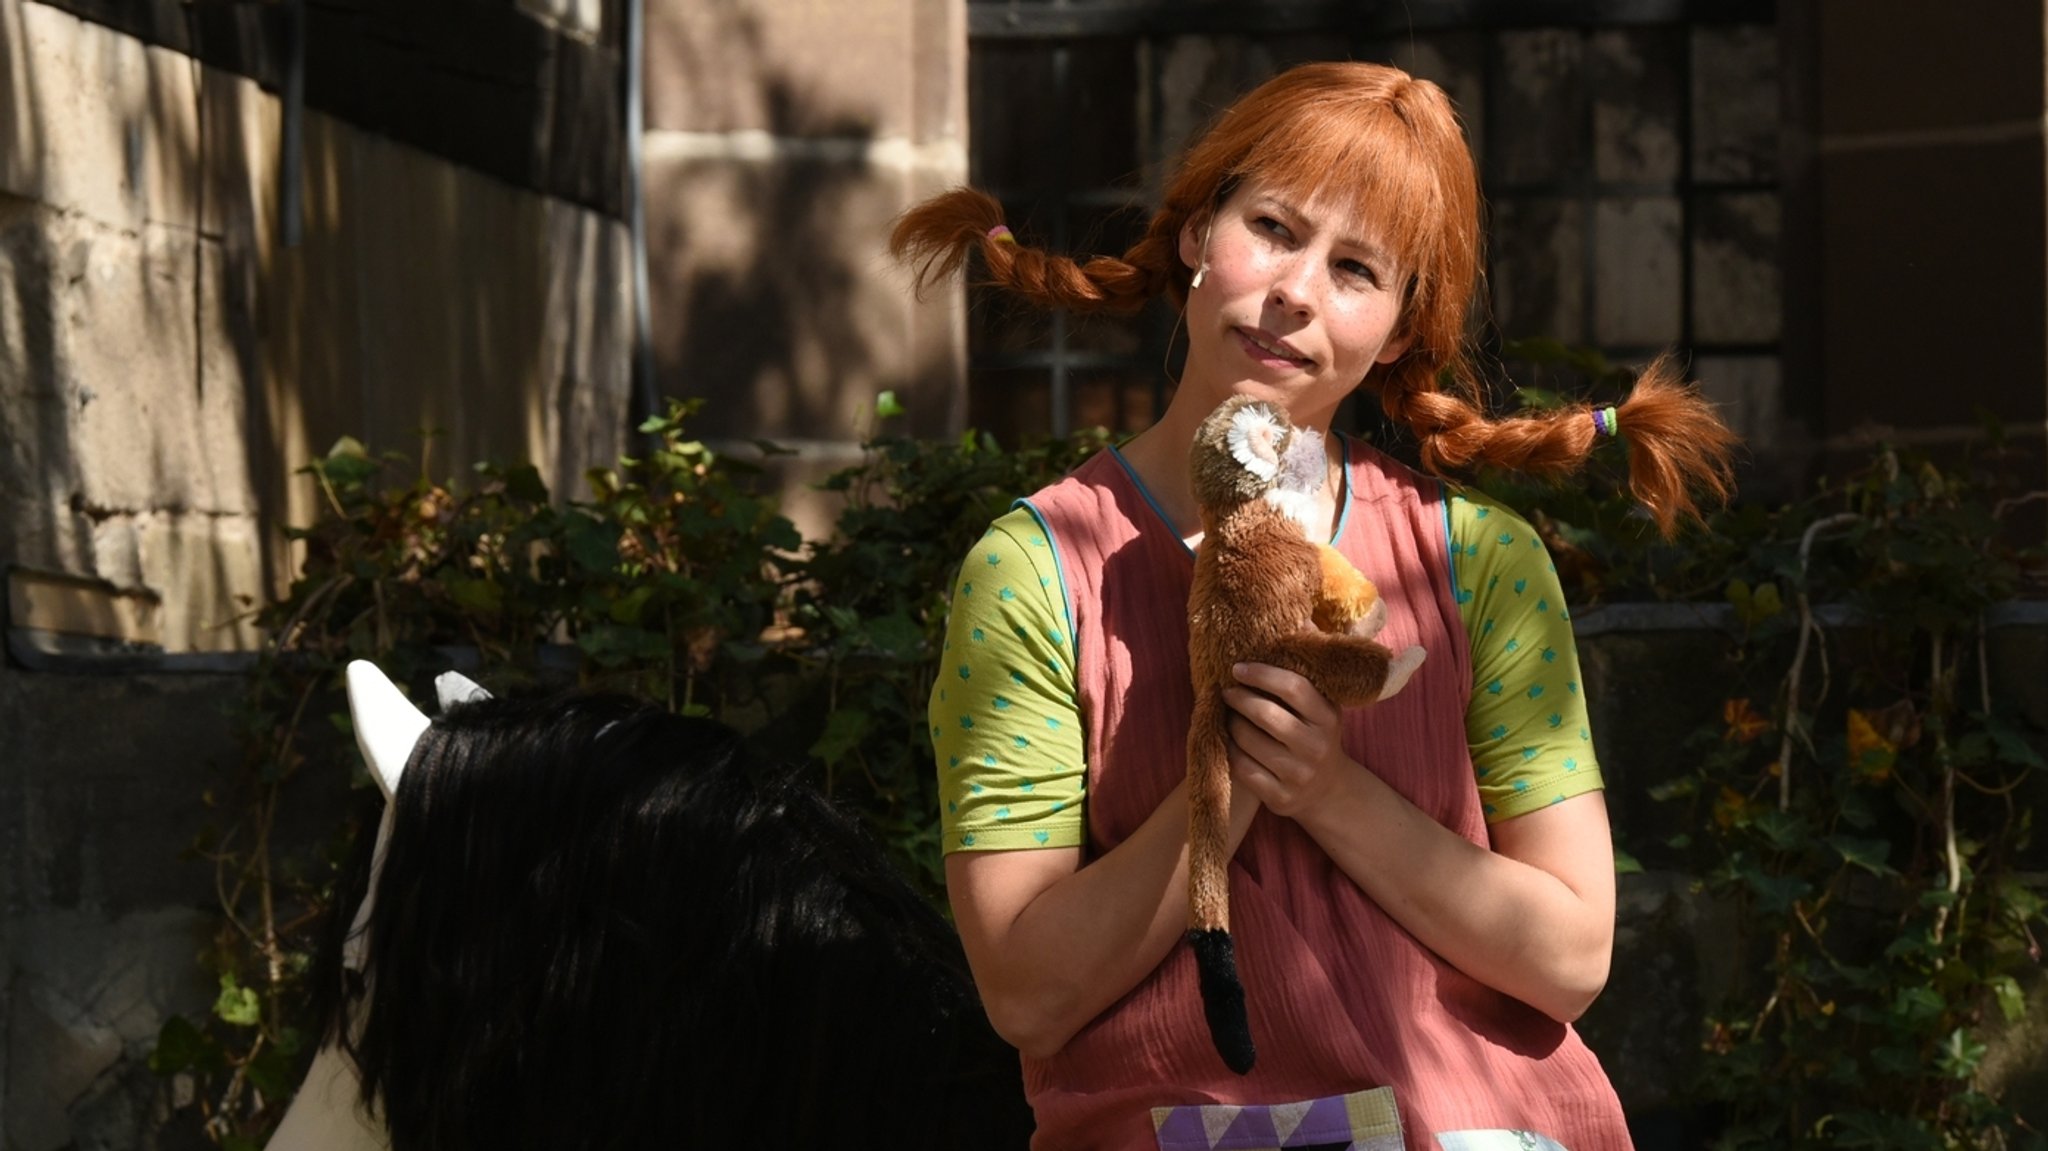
[(387, 724), (453, 687)]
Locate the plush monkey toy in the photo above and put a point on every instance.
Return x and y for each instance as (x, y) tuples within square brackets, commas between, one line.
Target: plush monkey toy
[(1263, 593)]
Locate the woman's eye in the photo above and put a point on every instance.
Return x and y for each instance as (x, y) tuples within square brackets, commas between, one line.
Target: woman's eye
[(1359, 270), (1270, 226)]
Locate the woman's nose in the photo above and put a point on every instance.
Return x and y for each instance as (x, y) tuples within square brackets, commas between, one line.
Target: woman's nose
[(1294, 287)]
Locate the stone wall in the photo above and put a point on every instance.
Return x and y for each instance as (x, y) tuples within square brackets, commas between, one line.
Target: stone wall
[(166, 363), (782, 140)]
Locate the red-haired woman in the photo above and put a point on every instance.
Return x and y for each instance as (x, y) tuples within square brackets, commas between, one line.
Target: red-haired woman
[(1422, 892)]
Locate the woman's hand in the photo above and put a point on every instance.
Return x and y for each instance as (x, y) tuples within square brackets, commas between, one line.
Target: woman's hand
[(1531, 917), (1287, 741)]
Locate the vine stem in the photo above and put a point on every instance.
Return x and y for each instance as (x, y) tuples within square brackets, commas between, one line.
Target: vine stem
[(1806, 630), (1941, 704)]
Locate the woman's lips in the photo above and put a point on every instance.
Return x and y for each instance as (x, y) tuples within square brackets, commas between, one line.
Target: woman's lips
[(1267, 348)]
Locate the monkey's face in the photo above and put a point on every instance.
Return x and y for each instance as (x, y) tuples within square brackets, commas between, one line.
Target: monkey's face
[(1246, 450)]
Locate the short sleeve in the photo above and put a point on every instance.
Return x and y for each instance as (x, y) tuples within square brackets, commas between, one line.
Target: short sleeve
[(1527, 723), (1005, 725)]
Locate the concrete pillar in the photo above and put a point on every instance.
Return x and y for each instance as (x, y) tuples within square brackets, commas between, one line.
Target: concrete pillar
[(1930, 222), (782, 140)]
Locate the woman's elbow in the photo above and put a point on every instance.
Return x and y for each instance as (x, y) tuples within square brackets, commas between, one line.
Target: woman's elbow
[(1024, 1023), (1576, 987)]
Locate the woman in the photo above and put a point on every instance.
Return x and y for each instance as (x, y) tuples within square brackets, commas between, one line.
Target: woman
[(1422, 891)]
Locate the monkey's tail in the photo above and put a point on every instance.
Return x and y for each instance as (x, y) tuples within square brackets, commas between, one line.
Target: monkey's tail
[(1209, 887)]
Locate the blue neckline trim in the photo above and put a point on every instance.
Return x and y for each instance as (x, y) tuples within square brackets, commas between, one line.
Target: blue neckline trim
[(1343, 500)]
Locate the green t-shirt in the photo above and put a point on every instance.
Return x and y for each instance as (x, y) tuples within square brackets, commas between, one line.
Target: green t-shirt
[(1007, 730)]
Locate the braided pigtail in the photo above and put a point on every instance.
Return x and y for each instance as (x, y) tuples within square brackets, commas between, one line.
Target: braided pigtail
[(1677, 444), (936, 236)]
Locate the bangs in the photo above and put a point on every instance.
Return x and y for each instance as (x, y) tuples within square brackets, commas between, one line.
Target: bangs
[(1362, 162)]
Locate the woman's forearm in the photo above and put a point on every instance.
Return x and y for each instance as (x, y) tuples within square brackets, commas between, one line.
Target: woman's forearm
[(1512, 925), (1053, 945)]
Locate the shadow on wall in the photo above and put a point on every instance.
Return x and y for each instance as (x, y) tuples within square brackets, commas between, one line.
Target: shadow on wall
[(763, 291), (168, 365)]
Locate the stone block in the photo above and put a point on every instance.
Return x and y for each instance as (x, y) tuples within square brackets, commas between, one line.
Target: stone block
[(1904, 66), (1539, 267), (777, 297), (1735, 255), (586, 353), (140, 322), (809, 68), (1537, 135), (1934, 249), (1749, 390), (53, 1062), (1636, 270), (1199, 76), (101, 124), (211, 574), (1456, 62), (1736, 103), (1634, 82)]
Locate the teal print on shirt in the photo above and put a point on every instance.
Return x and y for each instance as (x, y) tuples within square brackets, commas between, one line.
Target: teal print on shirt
[(1464, 595), (1500, 731), (1480, 513), (974, 788), (1052, 723), (967, 588), (1512, 645), (1571, 765), (1572, 685), (964, 672), (1521, 585), (1549, 655), (1493, 688), (1521, 785), (1486, 628), (1006, 594), (988, 761), (1583, 734), (1020, 741), (1041, 837), (1038, 541), (1055, 636), (1016, 677), (952, 761), (1556, 721), (1027, 786), (1536, 691), (980, 636), (1002, 703), (967, 840), (994, 559), (1505, 539), (1542, 605), (1528, 753), (1002, 813)]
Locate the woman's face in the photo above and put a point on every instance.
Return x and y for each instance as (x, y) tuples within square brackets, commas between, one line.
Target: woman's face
[(1298, 304)]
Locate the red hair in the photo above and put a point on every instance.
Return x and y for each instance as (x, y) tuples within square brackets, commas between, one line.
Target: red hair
[(1392, 146)]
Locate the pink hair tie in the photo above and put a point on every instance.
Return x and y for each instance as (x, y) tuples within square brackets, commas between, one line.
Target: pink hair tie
[(1001, 234)]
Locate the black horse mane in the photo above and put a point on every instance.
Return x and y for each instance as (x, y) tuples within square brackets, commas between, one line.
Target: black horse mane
[(600, 925)]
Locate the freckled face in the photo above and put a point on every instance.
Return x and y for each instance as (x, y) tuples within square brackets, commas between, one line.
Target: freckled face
[(1296, 307)]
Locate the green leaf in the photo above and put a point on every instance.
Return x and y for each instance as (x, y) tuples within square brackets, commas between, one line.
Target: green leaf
[(1959, 1054), (1868, 854), (843, 734), (2012, 1002), (887, 406), (1918, 1004), (181, 1046), (524, 483), (482, 596), (2013, 747), (1626, 864), (592, 544), (237, 1005)]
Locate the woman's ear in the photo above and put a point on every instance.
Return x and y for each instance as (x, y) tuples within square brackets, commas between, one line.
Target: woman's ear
[(1396, 346), (1192, 235)]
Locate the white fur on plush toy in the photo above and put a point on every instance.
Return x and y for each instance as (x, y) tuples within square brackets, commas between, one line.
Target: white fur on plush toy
[(327, 1113)]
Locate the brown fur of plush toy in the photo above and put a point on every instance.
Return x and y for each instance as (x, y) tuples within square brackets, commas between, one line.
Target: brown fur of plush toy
[(1263, 593)]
